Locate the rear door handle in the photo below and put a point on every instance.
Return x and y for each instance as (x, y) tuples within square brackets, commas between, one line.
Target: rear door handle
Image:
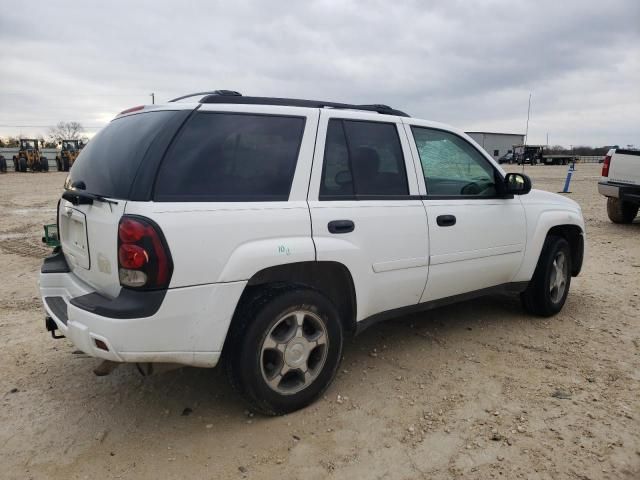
[(446, 220), (341, 226)]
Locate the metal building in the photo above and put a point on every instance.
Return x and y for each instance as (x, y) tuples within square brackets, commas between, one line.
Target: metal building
[(497, 144)]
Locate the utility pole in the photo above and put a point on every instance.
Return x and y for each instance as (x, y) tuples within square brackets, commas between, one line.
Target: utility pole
[(547, 140), (153, 98), (526, 133)]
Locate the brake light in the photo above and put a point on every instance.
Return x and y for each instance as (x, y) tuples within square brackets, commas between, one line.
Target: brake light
[(144, 260), (130, 231), (132, 109), (132, 256), (605, 166)]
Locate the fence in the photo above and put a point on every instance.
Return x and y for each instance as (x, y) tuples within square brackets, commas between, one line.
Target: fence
[(590, 158)]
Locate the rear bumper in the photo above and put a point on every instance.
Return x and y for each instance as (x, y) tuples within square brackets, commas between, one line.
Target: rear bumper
[(626, 193), (189, 327)]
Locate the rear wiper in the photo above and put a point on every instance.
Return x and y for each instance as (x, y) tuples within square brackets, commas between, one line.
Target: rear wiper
[(78, 197)]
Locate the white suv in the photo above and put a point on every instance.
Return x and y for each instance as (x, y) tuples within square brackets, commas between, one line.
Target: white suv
[(263, 230)]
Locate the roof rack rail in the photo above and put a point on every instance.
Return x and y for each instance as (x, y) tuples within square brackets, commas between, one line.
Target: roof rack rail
[(224, 93), (236, 98)]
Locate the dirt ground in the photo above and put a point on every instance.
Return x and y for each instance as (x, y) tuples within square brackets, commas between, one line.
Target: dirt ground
[(475, 390)]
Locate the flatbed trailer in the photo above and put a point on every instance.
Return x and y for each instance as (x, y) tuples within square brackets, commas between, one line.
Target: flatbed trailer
[(534, 154), (558, 159)]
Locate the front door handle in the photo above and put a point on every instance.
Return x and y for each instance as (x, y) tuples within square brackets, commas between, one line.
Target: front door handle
[(446, 220), (341, 226)]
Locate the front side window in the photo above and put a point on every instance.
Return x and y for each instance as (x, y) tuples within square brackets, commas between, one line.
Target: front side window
[(362, 159), (231, 157), (451, 166)]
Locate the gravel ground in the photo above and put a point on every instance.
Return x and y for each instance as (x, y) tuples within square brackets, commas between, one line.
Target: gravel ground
[(474, 390)]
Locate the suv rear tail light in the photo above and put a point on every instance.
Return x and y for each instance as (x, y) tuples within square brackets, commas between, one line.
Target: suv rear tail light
[(144, 260), (605, 166)]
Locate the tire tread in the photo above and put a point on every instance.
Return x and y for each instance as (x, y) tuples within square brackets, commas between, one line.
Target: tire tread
[(534, 298), (246, 313)]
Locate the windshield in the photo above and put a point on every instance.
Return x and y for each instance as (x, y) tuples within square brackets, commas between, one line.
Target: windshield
[(68, 145), (109, 162), (28, 144)]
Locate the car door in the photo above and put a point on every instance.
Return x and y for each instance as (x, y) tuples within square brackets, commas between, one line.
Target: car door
[(477, 235), (365, 209)]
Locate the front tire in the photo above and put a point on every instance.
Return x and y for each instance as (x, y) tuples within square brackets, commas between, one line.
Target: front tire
[(547, 291), (285, 347), (22, 164), (44, 164), (621, 212)]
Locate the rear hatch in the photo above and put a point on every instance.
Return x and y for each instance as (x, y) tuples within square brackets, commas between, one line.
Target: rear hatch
[(117, 165)]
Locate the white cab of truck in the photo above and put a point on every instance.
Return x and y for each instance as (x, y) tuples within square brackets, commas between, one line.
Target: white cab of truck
[(260, 232), (620, 183)]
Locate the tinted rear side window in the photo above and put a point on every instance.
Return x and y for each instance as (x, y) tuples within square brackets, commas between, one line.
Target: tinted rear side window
[(231, 157), (109, 162), (362, 159)]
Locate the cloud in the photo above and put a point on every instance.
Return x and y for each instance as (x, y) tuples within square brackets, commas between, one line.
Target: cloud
[(468, 63)]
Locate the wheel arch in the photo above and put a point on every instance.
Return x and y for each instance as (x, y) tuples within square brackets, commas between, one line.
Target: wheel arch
[(566, 224), (333, 279), (573, 234)]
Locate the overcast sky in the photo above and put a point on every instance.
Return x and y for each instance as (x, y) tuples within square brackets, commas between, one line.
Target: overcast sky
[(471, 64)]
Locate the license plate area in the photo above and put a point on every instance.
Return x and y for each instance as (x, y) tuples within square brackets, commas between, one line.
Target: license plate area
[(73, 235)]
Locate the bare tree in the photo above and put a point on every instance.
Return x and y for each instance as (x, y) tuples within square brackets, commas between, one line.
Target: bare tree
[(11, 141), (66, 131)]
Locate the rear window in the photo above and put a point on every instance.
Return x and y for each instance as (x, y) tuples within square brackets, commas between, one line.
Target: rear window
[(231, 157), (109, 162)]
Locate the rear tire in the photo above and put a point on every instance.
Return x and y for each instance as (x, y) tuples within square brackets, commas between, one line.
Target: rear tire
[(44, 164), (65, 164), (547, 291), (284, 348), (621, 212), (3, 164), (22, 164), (58, 164)]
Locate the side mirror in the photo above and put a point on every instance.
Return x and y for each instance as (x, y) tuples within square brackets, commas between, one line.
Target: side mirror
[(517, 184)]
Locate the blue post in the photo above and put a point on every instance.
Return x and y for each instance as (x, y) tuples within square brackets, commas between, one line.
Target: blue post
[(570, 171)]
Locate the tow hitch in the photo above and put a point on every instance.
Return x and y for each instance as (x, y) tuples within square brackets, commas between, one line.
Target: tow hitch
[(52, 327)]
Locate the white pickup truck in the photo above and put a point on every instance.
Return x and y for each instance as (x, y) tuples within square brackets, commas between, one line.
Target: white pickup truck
[(620, 183)]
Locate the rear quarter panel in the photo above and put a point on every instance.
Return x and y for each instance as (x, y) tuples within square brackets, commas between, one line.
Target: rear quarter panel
[(225, 242)]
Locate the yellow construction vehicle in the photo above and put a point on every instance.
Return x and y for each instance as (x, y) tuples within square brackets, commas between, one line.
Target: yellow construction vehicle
[(29, 158), (68, 154)]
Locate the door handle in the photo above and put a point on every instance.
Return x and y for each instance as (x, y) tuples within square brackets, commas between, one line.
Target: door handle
[(341, 226), (446, 220)]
